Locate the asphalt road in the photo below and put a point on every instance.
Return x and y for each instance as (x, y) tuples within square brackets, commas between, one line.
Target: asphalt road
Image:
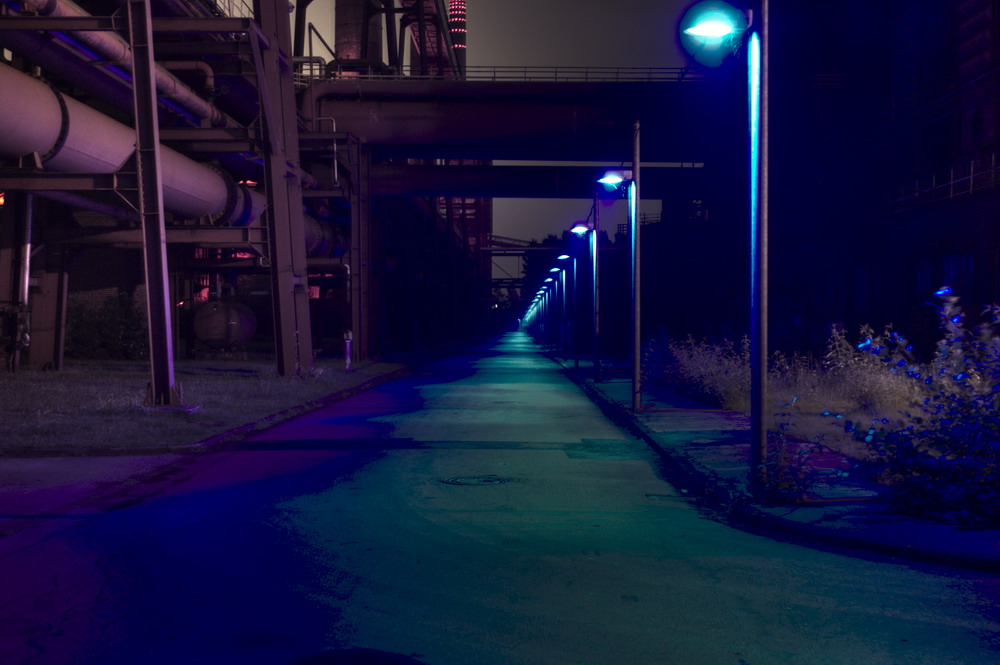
[(480, 511)]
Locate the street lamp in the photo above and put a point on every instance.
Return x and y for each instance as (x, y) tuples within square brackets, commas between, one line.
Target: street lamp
[(710, 31), (630, 181), (581, 229), (574, 333)]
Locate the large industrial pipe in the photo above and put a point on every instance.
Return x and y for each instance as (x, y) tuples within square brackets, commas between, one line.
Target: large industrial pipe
[(71, 137), (117, 51)]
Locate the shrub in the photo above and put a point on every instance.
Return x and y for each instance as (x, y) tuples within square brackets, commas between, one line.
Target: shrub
[(944, 460), (718, 372), (932, 437)]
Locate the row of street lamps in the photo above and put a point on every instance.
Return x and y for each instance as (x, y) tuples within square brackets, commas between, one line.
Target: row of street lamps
[(710, 31), (546, 305)]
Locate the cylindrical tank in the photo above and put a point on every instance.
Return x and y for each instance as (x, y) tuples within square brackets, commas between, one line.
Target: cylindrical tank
[(224, 324)]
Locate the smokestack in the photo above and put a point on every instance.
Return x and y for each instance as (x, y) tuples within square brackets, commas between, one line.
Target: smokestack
[(457, 28), (358, 36)]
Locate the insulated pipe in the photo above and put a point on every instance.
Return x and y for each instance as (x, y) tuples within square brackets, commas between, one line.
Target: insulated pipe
[(194, 66), (72, 137), (117, 51)]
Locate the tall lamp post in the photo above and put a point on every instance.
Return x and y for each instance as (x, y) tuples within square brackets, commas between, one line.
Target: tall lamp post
[(571, 310), (582, 229), (710, 31), (628, 180)]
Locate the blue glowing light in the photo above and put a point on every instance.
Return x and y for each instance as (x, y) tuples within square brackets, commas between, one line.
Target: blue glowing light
[(562, 257), (711, 30), (712, 25), (865, 343), (753, 71), (580, 229), (943, 291)]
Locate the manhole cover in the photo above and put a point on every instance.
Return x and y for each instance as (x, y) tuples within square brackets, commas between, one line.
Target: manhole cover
[(476, 480)]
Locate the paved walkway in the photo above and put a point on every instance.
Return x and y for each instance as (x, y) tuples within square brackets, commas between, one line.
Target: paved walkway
[(480, 510), (707, 454)]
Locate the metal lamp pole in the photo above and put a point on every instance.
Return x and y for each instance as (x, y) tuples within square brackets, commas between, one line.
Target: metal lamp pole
[(711, 31), (595, 246), (757, 66), (633, 218)]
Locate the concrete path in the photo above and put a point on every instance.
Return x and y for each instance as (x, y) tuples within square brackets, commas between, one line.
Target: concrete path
[(482, 510)]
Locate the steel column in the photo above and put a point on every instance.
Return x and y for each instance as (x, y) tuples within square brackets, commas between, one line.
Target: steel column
[(162, 390), (361, 256), (286, 226)]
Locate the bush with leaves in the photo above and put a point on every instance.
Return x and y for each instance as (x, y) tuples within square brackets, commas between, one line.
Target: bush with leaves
[(943, 461)]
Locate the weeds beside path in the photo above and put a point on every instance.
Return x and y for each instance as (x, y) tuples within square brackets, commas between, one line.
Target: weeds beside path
[(96, 408)]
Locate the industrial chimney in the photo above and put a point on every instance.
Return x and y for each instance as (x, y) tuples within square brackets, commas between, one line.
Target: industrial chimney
[(358, 33), (457, 28)]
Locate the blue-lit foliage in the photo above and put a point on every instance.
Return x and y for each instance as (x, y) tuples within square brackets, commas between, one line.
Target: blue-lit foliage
[(942, 460), (925, 432)]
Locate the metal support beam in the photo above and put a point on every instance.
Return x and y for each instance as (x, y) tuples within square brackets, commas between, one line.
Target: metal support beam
[(162, 389), (363, 326), (289, 288)]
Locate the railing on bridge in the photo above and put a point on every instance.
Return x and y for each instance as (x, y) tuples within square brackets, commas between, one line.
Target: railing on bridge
[(231, 8), (962, 179), (314, 69)]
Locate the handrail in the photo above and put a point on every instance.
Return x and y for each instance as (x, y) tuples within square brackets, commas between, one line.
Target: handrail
[(965, 178), (231, 8), (498, 73)]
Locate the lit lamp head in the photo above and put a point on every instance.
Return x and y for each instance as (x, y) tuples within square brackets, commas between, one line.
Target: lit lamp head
[(580, 229), (710, 30), (613, 180), (563, 257)]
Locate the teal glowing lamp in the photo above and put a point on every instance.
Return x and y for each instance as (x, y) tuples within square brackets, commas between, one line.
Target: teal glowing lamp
[(710, 30), (563, 257), (612, 180), (580, 229)]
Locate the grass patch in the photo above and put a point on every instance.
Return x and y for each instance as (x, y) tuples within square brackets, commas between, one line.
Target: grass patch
[(97, 407)]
